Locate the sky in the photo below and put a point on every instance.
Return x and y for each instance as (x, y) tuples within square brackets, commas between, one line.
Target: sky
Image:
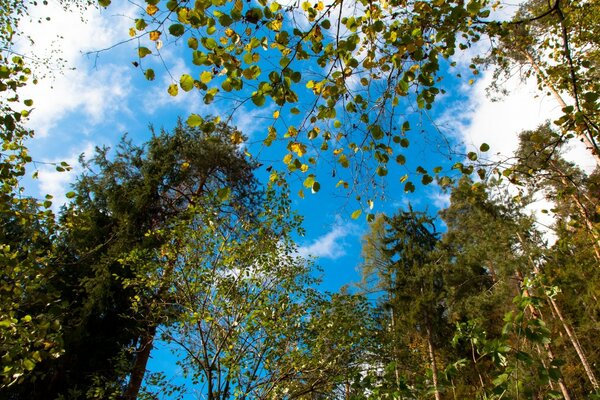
[(96, 97)]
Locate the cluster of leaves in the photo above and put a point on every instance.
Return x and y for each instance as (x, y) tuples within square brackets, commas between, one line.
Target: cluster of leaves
[(340, 75), (337, 80)]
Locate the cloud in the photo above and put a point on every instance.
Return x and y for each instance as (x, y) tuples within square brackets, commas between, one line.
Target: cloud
[(69, 81), (50, 181), (332, 244)]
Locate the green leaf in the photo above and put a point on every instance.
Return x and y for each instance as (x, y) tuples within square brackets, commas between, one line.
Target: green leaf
[(409, 187), (195, 120), (143, 51), (140, 24), (484, 147), (472, 156), (149, 74), (104, 3), (176, 30), (192, 43), (70, 195), (356, 214), (258, 99), (186, 82), (316, 187)]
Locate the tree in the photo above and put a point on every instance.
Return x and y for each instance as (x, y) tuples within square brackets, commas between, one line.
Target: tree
[(557, 43), (120, 206), (401, 261)]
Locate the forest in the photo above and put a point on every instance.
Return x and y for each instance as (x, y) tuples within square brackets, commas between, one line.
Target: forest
[(188, 239)]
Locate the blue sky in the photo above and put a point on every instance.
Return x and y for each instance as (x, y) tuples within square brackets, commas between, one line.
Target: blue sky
[(96, 98)]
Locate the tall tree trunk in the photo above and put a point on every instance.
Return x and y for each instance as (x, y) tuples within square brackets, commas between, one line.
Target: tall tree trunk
[(575, 342), (566, 327), (434, 370), (549, 352), (141, 361), (147, 342)]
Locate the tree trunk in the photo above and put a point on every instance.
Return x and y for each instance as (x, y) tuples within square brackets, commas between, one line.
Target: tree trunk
[(575, 342), (141, 361), (550, 353), (434, 370), (572, 337)]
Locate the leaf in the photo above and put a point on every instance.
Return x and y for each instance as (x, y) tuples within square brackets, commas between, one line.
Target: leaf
[(316, 187), (186, 82), (176, 30), (173, 90), (104, 3), (151, 9), (309, 181), (409, 187), (149, 74), (154, 35), (356, 214), (195, 120), (206, 77), (70, 195), (192, 43), (140, 24), (258, 99), (484, 147), (143, 52), (472, 156)]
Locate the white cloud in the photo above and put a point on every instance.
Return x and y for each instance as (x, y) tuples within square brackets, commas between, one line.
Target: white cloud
[(50, 181), (332, 244), (77, 83)]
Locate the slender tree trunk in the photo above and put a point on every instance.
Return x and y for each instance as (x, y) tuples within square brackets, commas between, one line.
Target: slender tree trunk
[(575, 342), (549, 352), (592, 148), (141, 360), (395, 348), (434, 370), (572, 337)]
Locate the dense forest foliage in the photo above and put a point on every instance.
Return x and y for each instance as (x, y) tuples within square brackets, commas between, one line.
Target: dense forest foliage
[(177, 240)]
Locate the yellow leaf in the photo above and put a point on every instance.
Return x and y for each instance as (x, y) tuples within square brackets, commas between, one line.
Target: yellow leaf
[(237, 138), (154, 35), (132, 32), (276, 114), (298, 148), (319, 6), (151, 9), (337, 151), (287, 159), (205, 77), (304, 168), (173, 90), (276, 25), (301, 193)]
